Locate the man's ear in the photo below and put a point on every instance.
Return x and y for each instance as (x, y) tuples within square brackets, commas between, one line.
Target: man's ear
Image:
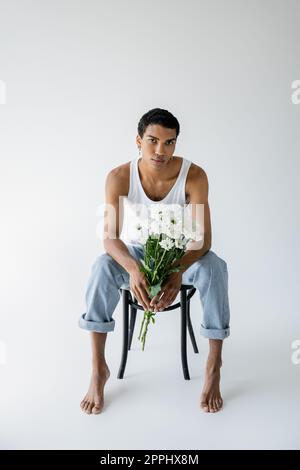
[(138, 140)]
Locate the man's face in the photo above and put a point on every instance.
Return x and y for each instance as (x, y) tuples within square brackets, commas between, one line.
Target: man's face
[(158, 143)]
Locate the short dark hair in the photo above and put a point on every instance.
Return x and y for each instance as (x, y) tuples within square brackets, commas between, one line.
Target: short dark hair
[(158, 116)]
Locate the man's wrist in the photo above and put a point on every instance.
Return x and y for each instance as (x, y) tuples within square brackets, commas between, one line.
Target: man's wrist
[(190, 257), (132, 266)]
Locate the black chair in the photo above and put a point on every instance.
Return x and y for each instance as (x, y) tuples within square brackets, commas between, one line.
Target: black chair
[(128, 325)]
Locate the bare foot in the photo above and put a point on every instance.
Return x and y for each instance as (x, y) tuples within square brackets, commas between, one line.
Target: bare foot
[(93, 402), (211, 400)]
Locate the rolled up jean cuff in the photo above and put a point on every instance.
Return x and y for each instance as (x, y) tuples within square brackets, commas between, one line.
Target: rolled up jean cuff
[(213, 333), (100, 327)]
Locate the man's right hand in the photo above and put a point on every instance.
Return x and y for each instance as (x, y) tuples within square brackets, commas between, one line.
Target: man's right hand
[(140, 288)]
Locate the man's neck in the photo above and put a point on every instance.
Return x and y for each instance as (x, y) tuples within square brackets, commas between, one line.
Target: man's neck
[(156, 174)]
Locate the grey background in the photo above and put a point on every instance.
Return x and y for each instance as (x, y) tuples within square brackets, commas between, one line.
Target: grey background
[(78, 77)]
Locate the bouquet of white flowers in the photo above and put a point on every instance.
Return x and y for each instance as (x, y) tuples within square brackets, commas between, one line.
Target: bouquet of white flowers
[(165, 239)]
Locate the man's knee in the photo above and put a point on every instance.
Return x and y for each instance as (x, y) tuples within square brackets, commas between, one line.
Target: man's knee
[(213, 260), (208, 264), (105, 263)]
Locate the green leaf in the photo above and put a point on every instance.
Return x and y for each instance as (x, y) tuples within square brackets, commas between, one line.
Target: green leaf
[(176, 269), (154, 290), (173, 270), (147, 268), (143, 270)]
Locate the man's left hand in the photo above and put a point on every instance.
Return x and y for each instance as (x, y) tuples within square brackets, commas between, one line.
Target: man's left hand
[(169, 291)]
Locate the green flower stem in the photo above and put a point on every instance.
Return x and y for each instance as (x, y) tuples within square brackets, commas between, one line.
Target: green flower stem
[(148, 314), (145, 332), (142, 326), (157, 241), (156, 245), (154, 274), (171, 255)]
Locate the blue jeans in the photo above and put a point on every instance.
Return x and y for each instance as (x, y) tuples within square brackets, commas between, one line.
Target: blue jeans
[(209, 275)]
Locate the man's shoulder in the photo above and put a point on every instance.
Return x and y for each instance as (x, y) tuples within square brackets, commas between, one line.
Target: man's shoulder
[(196, 174), (119, 178), (196, 179)]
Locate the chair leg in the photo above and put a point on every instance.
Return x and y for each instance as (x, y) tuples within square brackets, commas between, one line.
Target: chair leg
[(131, 325), (190, 327), (183, 310), (125, 297)]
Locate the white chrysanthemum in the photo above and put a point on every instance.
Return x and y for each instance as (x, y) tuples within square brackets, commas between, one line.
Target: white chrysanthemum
[(193, 231), (176, 210), (194, 223), (174, 227), (167, 244), (157, 211), (160, 209), (187, 233), (142, 232), (143, 239), (172, 231), (180, 243), (156, 227), (167, 219)]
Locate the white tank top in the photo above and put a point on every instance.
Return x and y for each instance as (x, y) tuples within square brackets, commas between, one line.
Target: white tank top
[(137, 202)]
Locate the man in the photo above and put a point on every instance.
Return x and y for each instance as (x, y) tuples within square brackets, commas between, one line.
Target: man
[(157, 176)]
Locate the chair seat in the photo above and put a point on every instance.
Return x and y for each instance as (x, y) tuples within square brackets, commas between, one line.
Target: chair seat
[(125, 286)]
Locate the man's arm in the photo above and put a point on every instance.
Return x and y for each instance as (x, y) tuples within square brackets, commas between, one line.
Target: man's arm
[(115, 190), (114, 193), (198, 195)]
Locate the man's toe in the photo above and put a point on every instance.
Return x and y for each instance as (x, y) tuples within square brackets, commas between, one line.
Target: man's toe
[(204, 406), (82, 404), (211, 407), (86, 407), (216, 404), (90, 408), (96, 408)]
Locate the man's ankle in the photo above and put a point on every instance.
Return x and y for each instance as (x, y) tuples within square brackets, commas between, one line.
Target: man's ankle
[(99, 366), (213, 363)]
